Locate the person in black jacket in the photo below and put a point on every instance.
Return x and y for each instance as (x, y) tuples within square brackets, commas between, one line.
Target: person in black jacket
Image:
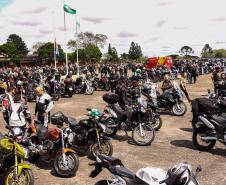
[(113, 79)]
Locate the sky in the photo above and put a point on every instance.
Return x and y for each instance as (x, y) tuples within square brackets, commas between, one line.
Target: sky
[(160, 27)]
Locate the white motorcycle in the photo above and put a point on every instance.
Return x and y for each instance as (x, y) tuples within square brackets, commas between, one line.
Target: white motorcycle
[(180, 174)]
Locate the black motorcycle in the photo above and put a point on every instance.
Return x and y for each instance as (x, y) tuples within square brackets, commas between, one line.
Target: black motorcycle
[(128, 119), (171, 100), (86, 136), (81, 86), (101, 83)]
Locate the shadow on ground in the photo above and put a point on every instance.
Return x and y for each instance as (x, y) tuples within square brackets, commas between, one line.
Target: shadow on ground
[(189, 144)]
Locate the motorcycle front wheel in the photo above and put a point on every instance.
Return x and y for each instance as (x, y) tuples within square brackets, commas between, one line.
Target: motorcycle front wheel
[(199, 143), (89, 91), (105, 148), (26, 177), (143, 135), (67, 169), (179, 109)]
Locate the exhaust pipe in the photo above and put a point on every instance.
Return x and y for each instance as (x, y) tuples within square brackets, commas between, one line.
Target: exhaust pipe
[(206, 122), (209, 138)]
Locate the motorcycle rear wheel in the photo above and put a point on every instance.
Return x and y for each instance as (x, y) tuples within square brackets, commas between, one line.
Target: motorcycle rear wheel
[(110, 131), (106, 149), (151, 133), (195, 138), (67, 171), (26, 177), (157, 123)]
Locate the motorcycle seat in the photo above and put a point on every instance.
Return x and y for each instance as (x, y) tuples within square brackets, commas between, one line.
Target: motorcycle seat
[(72, 122), (122, 171), (112, 160)]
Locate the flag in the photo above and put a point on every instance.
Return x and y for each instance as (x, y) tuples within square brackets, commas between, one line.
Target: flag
[(69, 10)]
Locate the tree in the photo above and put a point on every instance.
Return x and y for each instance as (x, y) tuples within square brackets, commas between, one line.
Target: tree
[(135, 51), (81, 55), (124, 56), (36, 46), (114, 54), (18, 42), (219, 54), (92, 53), (46, 51), (109, 49), (206, 51), (88, 38), (186, 50), (9, 50)]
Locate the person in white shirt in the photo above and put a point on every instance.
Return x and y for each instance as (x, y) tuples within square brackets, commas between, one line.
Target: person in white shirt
[(44, 105)]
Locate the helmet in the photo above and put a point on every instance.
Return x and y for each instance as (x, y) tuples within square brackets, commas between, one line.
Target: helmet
[(138, 71), (179, 174), (39, 90)]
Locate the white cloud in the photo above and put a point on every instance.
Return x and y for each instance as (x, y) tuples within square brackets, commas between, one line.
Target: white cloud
[(152, 24)]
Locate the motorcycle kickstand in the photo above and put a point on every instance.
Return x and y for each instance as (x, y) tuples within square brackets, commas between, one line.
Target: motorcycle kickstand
[(126, 134)]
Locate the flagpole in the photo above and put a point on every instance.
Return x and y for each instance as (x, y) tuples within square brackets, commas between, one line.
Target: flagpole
[(65, 38), (54, 35), (77, 46)]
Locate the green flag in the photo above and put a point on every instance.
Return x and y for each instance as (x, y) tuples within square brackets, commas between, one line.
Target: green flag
[(69, 10)]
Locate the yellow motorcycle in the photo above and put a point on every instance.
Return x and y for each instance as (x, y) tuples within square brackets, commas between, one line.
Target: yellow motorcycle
[(13, 170)]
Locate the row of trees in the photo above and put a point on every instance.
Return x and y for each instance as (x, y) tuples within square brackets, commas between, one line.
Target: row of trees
[(89, 49), (207, 52)]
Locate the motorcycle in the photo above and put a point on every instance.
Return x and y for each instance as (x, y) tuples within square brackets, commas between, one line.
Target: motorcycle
[(49, 144), (86, 136), (83, 86), (171, 100), (101, 83), (68, 85), (128, 120), (178, 174), (12, 166), (211, 128)]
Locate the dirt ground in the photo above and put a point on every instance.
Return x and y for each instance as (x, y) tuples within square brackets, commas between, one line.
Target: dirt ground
[(173, 144)]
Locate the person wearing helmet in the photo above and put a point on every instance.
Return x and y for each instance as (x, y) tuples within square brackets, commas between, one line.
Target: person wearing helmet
[(44, 105), (138, 72)]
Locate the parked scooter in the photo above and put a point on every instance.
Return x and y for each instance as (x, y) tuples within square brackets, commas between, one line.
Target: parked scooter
[(180, 174)]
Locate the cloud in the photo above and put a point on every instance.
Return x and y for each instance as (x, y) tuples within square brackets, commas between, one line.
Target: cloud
[(36, 10), (45, 31), (220, 42), (219, 19), (61, 28), (165, 47), (125, 34), (180, 28), (160, 23), (25, 23), (151, 40), (165, 3), (33, 35), (95, 20)]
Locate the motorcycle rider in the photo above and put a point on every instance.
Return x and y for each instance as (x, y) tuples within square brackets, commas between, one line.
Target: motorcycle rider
[(44, 105), (166, 84)]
